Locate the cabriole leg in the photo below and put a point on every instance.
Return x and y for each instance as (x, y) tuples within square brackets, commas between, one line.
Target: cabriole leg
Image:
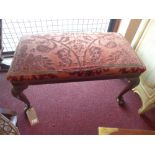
[(17, 91), (133, 82)]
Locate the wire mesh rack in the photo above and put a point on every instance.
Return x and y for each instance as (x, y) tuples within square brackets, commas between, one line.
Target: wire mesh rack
[(13, 29)]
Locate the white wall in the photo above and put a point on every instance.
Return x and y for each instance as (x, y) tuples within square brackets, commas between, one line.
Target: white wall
[(123, 26)]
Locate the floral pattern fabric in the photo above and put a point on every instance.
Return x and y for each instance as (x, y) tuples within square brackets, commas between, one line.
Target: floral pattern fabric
[(71, 56)]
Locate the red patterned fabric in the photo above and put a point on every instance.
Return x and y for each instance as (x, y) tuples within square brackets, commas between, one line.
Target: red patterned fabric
[(71, 56)]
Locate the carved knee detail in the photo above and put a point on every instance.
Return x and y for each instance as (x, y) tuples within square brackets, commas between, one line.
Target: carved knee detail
[(135, 82)]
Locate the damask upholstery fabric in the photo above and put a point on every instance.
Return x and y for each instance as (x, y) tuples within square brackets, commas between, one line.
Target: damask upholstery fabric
[(73, 56)]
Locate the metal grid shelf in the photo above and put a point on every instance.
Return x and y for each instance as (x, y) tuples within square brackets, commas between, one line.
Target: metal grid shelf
[(14, 29)]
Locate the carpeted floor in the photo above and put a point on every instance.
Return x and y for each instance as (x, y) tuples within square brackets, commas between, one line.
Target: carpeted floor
[(77, 108)]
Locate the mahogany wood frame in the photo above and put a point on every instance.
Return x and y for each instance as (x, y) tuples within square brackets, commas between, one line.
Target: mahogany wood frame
[(20, 86)]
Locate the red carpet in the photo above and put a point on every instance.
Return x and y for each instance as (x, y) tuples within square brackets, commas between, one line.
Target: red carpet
[(77, 108)]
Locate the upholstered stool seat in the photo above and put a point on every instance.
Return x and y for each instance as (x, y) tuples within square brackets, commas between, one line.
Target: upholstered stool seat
[(51, 58), (73, 56)]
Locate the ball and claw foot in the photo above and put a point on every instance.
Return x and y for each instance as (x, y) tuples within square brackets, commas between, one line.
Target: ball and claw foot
[(120, 100)]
